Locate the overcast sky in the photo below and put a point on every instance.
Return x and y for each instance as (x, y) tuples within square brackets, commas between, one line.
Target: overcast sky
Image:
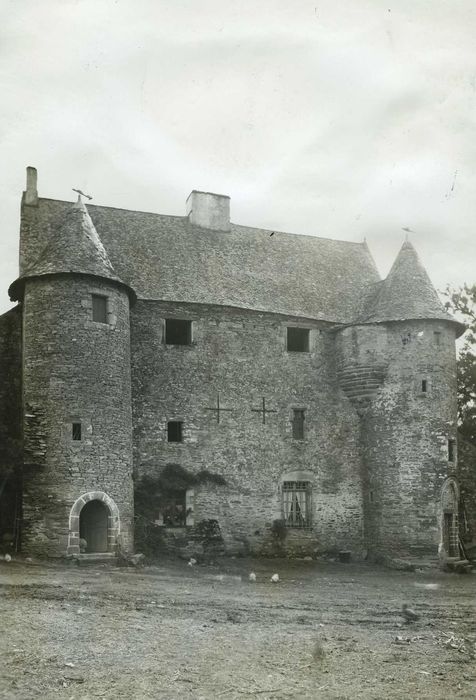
[(338, 118)]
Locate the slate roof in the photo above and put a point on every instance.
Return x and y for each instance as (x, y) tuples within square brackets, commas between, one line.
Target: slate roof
[(166, 258), (73, 246), (406, 293)]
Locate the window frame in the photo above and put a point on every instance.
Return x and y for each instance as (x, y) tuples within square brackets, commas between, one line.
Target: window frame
[(298, 330), (189, 333), (295, 520), (179, 425), (104, 300), (75, 432), (452, 455), (301, 433)]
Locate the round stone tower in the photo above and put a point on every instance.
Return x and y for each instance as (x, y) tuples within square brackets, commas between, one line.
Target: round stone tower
[(77, 426), (398, 367)]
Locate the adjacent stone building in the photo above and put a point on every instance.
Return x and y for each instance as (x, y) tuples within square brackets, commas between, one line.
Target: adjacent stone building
[(316, 402)]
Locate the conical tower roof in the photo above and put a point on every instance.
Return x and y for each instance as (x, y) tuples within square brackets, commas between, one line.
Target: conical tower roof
[(75, 247), (407, 293)]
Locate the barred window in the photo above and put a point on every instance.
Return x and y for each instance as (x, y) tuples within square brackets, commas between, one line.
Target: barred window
[(297, 503)]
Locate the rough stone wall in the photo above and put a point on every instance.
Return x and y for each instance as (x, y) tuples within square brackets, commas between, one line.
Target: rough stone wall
[(466, 473), (74, 370), (10, 419), (405, 434), (242, 356)]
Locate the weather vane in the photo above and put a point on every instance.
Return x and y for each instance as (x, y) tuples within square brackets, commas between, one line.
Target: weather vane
[(81, 193)]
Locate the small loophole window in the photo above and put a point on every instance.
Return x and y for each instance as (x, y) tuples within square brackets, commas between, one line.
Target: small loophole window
[(174, 431), (76, 431), (99, 308)]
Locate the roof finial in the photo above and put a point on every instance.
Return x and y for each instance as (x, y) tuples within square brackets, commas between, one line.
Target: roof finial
[(81, 193)]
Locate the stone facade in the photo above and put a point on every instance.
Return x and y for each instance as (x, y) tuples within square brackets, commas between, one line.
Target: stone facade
[(74, 371), (340, 433), (241, 355)]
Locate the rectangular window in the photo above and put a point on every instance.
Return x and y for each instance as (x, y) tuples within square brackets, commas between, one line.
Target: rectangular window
[(178, 332), (437, 337), (76, 431), (298, 424), (175, 509), (451, 450), (174, 431), (99, 308), (297, 503), (297, 339), (424, 386)]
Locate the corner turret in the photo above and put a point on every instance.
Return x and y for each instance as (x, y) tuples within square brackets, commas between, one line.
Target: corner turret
[(77, 423), (397, 366)]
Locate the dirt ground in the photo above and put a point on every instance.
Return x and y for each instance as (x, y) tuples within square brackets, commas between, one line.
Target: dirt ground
[(175, 631)]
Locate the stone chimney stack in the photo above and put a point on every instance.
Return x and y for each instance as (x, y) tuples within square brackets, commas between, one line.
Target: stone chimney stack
[(209, 210), (31, 192)]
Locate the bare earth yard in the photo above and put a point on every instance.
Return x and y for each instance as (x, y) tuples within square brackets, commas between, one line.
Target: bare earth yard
[(176, 631)]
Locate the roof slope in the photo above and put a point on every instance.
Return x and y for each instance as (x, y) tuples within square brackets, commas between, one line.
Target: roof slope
[(73, 246), (165, 257), (406, 293)]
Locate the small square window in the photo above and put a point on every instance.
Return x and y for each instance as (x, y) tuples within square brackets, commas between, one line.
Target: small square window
[(451, 450), (298, 424), (99, 308), (297, 339), (174, 431), (76, 431), (178, 331)]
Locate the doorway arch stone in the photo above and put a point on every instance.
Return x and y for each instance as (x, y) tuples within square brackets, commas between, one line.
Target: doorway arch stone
[(113, 520)]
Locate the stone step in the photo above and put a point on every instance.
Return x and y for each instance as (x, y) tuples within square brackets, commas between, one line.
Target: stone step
[(96, 557)]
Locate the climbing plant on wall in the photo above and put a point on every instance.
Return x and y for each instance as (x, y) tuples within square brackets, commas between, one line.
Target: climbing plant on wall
[(462, 302)]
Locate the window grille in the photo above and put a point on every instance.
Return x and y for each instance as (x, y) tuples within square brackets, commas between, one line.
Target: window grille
[(297, 503)]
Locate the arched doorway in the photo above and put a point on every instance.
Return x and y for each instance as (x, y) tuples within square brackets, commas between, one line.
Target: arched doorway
[(449, 518), (93, 517), (93, 526)]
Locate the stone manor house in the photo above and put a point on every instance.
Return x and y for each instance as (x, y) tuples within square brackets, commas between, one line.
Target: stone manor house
[(324, 396)]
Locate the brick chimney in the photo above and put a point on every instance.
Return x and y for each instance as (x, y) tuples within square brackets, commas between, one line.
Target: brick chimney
[(31, 192), (209, 210)]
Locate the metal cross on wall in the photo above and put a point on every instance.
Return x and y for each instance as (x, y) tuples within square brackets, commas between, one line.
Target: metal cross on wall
[(218, 408), (264, 410)]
